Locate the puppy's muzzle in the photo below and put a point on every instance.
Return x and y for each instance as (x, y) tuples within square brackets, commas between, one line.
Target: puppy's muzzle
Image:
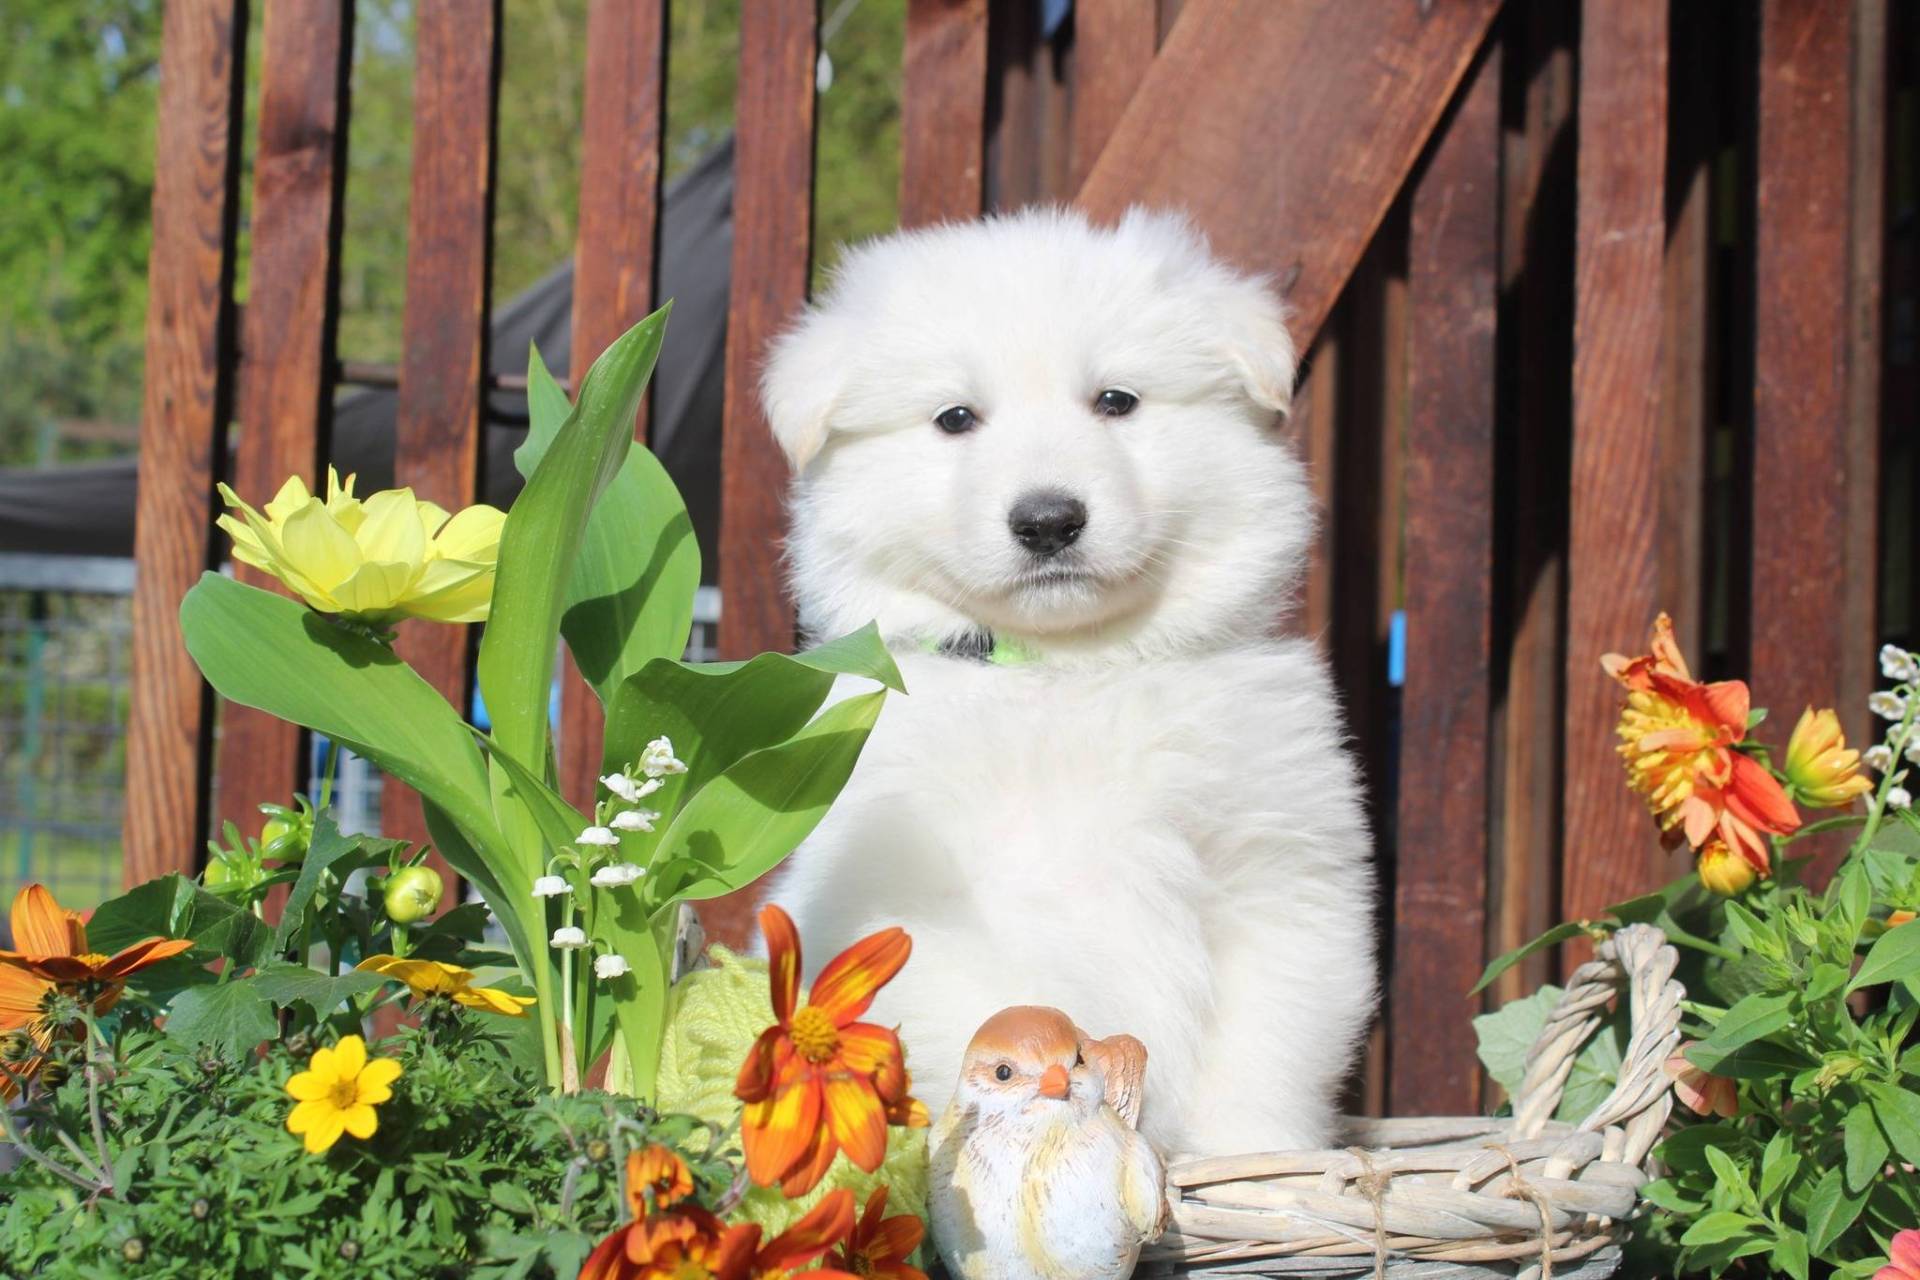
[(1047, 521)]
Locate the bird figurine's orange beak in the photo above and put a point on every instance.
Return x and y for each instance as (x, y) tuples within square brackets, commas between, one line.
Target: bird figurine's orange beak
[(1054, 1082)]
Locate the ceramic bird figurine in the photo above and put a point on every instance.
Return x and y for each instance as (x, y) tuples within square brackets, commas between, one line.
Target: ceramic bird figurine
[(1037, 1171)]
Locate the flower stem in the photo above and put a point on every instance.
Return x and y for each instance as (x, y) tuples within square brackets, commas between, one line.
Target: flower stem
[(51, 1165)]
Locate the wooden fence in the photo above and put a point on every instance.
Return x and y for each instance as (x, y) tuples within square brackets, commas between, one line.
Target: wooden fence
[(1603, 317)]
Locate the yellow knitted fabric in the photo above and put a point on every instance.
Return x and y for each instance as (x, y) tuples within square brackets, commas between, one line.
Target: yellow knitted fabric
[(712, 1021)]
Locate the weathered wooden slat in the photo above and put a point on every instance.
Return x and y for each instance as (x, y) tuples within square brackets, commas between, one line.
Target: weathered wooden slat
[(943, 111), (1113, 45), (1028, 141), (1860, 613), (1612, 561), (1802, 269), (444, 325), (286, 381), (182, 421), (1537, 266), (1287, 129), (772, 246), (1453, 280), (615, 261)]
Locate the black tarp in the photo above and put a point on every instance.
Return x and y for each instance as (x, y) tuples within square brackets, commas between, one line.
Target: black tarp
[(87, 509)]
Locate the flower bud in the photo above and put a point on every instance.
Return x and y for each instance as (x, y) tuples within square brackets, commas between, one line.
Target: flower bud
[(286, 834), (413, 893), (134, 1250), (1724, 871), (349, 1249), (1821, 769), (53, 1073), (598, 1150), (201, 1209)]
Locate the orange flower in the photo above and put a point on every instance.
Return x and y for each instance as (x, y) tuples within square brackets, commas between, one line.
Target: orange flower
[(1704, 1093), (1897, 918), (818, 1081), (1823, 771), (659, 1170), (1677, 737), (879, 1245), (53, 946), (689, 1243), (1903, 1258)]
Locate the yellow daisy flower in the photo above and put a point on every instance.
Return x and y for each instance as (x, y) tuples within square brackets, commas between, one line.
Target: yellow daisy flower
[(432, 978), (338, 1092)]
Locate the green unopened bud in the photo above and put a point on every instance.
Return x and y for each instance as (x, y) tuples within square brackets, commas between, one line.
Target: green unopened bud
[(200, 1209), (287, 833), (349, 1249), (16, 1047), (413, 893), (134, 1249), (598, 1150), (53, 1073)]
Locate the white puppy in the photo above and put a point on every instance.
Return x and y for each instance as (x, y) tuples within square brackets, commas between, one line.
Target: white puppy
[(1066, 438)]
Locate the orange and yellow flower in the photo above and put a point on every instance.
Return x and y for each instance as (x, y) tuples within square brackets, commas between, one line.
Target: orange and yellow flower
[(879, 1245), (819, 1081), (1823, 771), (1704, 1093), (661, 1175), (1678, 739), (53, 950), (1722, 870), (690, 1243)]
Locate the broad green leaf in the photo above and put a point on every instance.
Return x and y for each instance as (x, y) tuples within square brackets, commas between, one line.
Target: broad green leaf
[(1760, 1060), (740, 825), (1894, 957), (327, 849), (264, 650), (1824, 981), (173, 906), (1715, 1227), (1748, 930), (540, 544), (1777, 1168), (1730, 1176), (1686, 1149), (631, 595), (1551, 938), (1790, 1254), (1749, 1020), (1505, 1035), (1867, 1148), (232, 1017), (1830, 1210), (715, 713), (1596, 1069), (1666, 1195), (285, 984), (1898, 1111)]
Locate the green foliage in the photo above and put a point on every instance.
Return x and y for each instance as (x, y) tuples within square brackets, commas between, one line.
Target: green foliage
[(1506, 1035), (473, 1170)]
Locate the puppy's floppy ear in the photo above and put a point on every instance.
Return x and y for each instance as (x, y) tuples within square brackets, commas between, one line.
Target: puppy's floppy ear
[(1254, 324), (805, 372)]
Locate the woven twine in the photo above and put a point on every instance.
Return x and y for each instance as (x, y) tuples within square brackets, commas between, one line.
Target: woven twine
[(1520, 1195)]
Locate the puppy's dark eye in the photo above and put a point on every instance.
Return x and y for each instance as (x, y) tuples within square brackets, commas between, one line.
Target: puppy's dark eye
[(1115, 403), (1003, 1072), (956, 421)]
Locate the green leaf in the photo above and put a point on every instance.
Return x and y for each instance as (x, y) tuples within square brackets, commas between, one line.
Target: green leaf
[(1867, 1148), (232, 1017), (540, 544), (1748, 930), (1506, 1035), (1898, 1112), (1761, 1060), (1730, 1176), (1755, 1016), (145, 911), (173, 906), (631, 595), (1830, 1211), (1551, 938), (717, 712), (1686, 1149), (1894, 957), (1663, 1193), (327, 849), (286, 984), (1790, 1254), (1715, 1227), (1825, 980), (1777, 1168), (264, 650), (744, 822)]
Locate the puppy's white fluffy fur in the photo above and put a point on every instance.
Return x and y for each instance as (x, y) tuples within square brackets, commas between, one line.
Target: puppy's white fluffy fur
[(1154, 825)]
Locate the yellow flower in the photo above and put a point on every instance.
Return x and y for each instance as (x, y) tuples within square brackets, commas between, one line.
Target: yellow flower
[(392, 556), (337, 1093), (1820, 768), (432, 978), (1724, 871)]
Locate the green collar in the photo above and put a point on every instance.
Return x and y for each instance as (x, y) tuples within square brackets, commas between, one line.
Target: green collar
[(983, 646)]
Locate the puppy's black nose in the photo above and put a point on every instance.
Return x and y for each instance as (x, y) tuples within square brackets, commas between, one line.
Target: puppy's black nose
[(1047, 521)]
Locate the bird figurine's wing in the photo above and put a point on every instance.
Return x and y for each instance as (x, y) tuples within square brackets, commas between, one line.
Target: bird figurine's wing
[(1123, 1061), (1145, 1190)]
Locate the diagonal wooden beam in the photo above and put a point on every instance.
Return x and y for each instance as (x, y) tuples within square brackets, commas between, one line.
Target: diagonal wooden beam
[(1286, 130)]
